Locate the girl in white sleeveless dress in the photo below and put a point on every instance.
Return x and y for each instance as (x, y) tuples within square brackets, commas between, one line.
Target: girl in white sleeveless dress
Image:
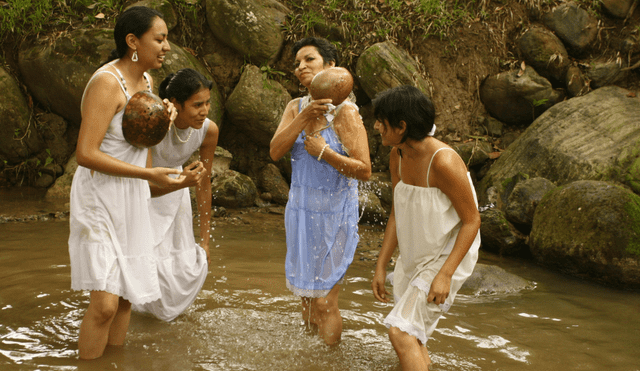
[(182, 264), (434, 222), (110, 241)]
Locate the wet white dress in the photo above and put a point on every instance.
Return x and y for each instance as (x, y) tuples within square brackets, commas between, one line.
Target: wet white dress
[(182, 263), (427, 226), (110, 240)]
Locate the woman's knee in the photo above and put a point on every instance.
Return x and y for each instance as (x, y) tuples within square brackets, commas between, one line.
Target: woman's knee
[(323, 306), (103, 310), (400, 339)]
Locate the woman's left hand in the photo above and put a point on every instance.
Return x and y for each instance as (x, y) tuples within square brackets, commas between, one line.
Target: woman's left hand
[(314, 144), (440, 288)]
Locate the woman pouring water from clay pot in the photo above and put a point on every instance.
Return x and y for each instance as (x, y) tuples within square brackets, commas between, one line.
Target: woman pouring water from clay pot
[(329, 154)]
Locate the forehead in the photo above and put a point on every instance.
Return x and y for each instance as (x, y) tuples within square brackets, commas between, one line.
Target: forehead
[(306, 50), (158, 28), (201, 95)]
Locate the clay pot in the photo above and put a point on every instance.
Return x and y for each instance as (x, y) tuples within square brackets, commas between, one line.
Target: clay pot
[(335, 83), (146, 120)]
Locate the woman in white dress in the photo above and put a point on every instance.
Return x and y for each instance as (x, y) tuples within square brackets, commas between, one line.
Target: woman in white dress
[(110, 243), (182, 264), (434, 222)]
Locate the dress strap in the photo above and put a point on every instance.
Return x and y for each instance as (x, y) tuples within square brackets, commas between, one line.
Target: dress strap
[(124, 90), (430, 162), (400, 168)]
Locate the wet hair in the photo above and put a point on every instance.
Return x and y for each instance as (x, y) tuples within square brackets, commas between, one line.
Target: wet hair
[(327, 50), (136, 20), (405, 103), (183, 84)]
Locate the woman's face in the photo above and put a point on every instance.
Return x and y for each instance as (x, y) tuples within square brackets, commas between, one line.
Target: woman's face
[(308, 63), (194, 110), (153, 46), (390, 136)]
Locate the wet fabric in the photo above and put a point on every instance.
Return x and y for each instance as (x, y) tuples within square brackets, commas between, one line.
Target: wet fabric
[(321, 219), (110, 240), (182, 263), (427, 226)]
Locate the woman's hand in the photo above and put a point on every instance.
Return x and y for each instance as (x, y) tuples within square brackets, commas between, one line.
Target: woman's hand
[(377, 284), (315, 110), (173, 112), (314, 144), (193, 174), (440, 288), (160, 177)]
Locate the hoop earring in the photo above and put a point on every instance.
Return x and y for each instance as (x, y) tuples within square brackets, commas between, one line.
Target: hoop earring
[(134, 57)]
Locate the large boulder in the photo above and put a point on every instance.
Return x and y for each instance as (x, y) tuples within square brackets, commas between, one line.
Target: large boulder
[(518, 96), (383, 66), (68, 63), (573, 25), (271, 181), (595, 136), (590, 229), (61, 189), (256, 105), (233, 190), (250, 27), (490, 280), (543, 50), (617, 8), (525, 197), (372, 211), (499, 236), (19, 137)]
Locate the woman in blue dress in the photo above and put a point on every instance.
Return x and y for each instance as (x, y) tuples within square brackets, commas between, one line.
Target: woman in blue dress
[(329, 154)]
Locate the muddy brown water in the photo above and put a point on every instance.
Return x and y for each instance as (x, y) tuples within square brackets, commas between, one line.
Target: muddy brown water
[(246, 319)]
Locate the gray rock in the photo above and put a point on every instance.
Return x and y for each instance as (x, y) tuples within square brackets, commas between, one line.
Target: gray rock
[(499, 236), (517, 97), (525, 197), (271, 181), (573, 25), (606, 73), (256, 105), (475, 152), (491, 279), (19, 137), (617, 8), (163, 6), (594, 137), (383, 66), (251, 27), (543, 50), (61, 188), (371, 208), (590, 229), (380, 184), (233, 190), (576, 82)]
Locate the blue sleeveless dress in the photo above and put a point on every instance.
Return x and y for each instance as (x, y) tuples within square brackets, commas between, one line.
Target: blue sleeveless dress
[(321, 220)]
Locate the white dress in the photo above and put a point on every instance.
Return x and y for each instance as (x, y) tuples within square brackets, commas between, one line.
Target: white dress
[(427, 226), (110, 239), (182, 263)]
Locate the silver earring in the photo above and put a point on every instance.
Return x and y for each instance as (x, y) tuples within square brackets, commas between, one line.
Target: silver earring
[(134, 57)]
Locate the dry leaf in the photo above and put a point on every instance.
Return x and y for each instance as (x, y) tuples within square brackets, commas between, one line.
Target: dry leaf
[(100, 15), (494, 155)]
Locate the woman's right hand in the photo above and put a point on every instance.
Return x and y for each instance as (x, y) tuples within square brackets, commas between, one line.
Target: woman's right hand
[(160, 177), (315, 109), (377, 284), (193, 174)]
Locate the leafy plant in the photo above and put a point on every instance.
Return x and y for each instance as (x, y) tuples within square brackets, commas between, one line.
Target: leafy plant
[(539, 102)]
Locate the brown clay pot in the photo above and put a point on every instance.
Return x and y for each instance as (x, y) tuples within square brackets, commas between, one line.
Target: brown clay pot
[(335, 83), (146, 120)]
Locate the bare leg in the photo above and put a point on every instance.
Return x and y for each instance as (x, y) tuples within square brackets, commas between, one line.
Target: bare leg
[(412, 355), (326, 314), (94, 330), (120, 323)]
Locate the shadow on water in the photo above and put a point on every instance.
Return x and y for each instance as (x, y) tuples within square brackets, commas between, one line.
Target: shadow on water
[(246, 319)]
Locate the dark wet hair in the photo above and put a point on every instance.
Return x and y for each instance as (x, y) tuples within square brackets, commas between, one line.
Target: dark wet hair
[(327, 50), (136, 20), (406, 103), (183, 84)]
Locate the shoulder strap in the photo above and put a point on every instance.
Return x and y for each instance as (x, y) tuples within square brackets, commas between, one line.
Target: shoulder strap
[(430, 162), (110, 73)]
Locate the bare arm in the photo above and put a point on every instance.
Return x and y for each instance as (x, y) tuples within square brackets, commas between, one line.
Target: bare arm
[(353, 135), (203, 188), (451, 178), (389, 242), (292, 124), (99, 107)]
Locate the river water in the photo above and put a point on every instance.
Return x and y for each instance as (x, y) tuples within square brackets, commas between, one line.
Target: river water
[(246, 319)]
